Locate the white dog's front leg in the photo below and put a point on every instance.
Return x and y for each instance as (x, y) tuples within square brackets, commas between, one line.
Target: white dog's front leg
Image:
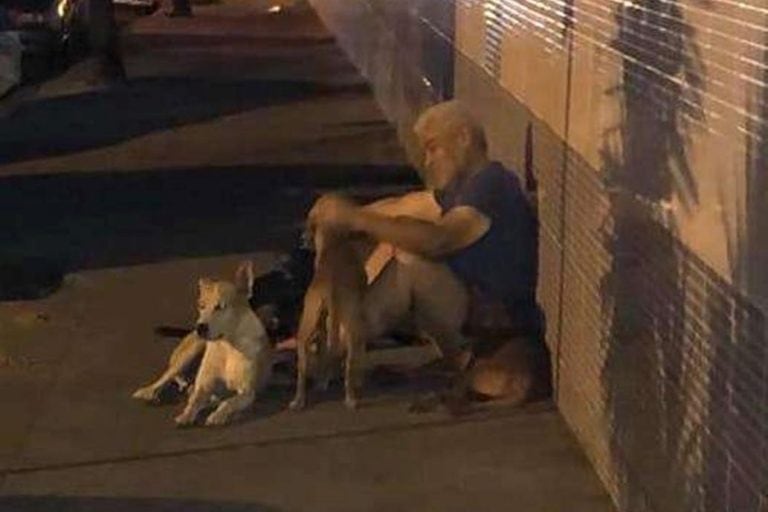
[(151, 393), (189, 348), (230, 407), (201, 396)]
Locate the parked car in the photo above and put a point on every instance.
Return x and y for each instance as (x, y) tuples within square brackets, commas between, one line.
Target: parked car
[(55, 28), (46, 28), (145, 6)]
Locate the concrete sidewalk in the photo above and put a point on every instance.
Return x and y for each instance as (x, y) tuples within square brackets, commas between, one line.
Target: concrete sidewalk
[(168, 208), (75, 434)]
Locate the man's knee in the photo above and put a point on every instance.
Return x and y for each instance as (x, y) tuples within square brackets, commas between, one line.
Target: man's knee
[(377, 321), (386, 302), (440, 298), (424, 291)]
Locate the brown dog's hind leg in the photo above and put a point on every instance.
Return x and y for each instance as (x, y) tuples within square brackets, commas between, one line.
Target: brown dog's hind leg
[(300, 398), (354, 366), (310, 316)]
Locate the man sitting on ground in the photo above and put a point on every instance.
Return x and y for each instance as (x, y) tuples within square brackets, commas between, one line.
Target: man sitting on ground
[(470, 231)]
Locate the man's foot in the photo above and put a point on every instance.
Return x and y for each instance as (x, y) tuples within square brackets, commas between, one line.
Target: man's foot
[(463, 360), (449, 365)]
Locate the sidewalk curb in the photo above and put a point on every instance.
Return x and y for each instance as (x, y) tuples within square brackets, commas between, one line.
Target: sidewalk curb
[(11, 102)]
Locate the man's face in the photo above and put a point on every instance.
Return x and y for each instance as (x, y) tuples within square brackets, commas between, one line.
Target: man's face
[(444, 156)]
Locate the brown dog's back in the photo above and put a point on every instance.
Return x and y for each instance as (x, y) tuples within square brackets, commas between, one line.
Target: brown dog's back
[(507, 370)]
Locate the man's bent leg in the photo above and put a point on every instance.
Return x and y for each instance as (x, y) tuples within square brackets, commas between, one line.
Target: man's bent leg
[(387, 302), (426, 292), (440, 304)]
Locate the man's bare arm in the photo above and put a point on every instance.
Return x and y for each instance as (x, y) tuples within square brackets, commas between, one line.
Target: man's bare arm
[(419, 205), (459, 228)]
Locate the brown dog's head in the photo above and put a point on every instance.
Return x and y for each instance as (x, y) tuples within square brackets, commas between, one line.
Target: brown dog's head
[(219, 304)]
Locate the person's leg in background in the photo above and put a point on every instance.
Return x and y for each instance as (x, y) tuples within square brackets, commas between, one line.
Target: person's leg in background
[(180, 8), (104, 40)]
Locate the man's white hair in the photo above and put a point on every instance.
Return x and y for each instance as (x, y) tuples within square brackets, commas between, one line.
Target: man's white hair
[(448, 118)]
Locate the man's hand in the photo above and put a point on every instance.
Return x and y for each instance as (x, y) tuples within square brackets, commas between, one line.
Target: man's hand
[(458, 228), (332, 211)]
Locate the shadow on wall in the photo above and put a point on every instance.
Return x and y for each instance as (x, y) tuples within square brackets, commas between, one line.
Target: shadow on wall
[(109, 504), (753, 272), (736, 452), (646, 164)]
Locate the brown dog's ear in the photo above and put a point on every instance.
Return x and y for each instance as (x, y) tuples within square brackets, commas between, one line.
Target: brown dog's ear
[(204, 283), (244, 278)]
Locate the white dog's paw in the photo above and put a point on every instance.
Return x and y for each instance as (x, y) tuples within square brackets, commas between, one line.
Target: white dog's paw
[(147, 394), (217, 419), (298, 404), (185, 419)]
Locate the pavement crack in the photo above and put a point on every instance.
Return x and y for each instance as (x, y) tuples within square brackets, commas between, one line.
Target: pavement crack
[(298, 439)]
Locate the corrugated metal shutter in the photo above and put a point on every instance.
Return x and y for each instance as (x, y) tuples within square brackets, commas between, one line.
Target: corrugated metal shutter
[(664, 363), (544, 19)]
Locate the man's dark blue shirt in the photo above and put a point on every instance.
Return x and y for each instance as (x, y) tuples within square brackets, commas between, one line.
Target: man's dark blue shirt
[(502, 264)]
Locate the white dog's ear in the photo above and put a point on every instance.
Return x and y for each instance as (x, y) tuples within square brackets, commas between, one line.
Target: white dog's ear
[(244, 278)]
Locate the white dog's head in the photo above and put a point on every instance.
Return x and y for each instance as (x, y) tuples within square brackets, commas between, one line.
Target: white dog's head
[(220, 304)]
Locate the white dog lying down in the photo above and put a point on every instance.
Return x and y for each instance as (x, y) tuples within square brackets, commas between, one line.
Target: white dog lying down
[(237, 356)]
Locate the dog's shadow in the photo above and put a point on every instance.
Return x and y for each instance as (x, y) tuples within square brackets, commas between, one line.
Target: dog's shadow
[(382, 385)]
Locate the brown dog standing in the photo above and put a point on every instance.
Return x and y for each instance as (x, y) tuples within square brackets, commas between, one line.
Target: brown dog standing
[(335, 295)]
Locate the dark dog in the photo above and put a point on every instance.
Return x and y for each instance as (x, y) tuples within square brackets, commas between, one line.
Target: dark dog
[(276, 298), (278, 295)]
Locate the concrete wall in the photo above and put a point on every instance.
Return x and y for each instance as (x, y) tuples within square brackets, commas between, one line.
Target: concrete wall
[(403, 47), (644, 123)]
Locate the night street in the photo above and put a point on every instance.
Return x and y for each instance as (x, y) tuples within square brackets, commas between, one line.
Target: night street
[(115, 199)]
